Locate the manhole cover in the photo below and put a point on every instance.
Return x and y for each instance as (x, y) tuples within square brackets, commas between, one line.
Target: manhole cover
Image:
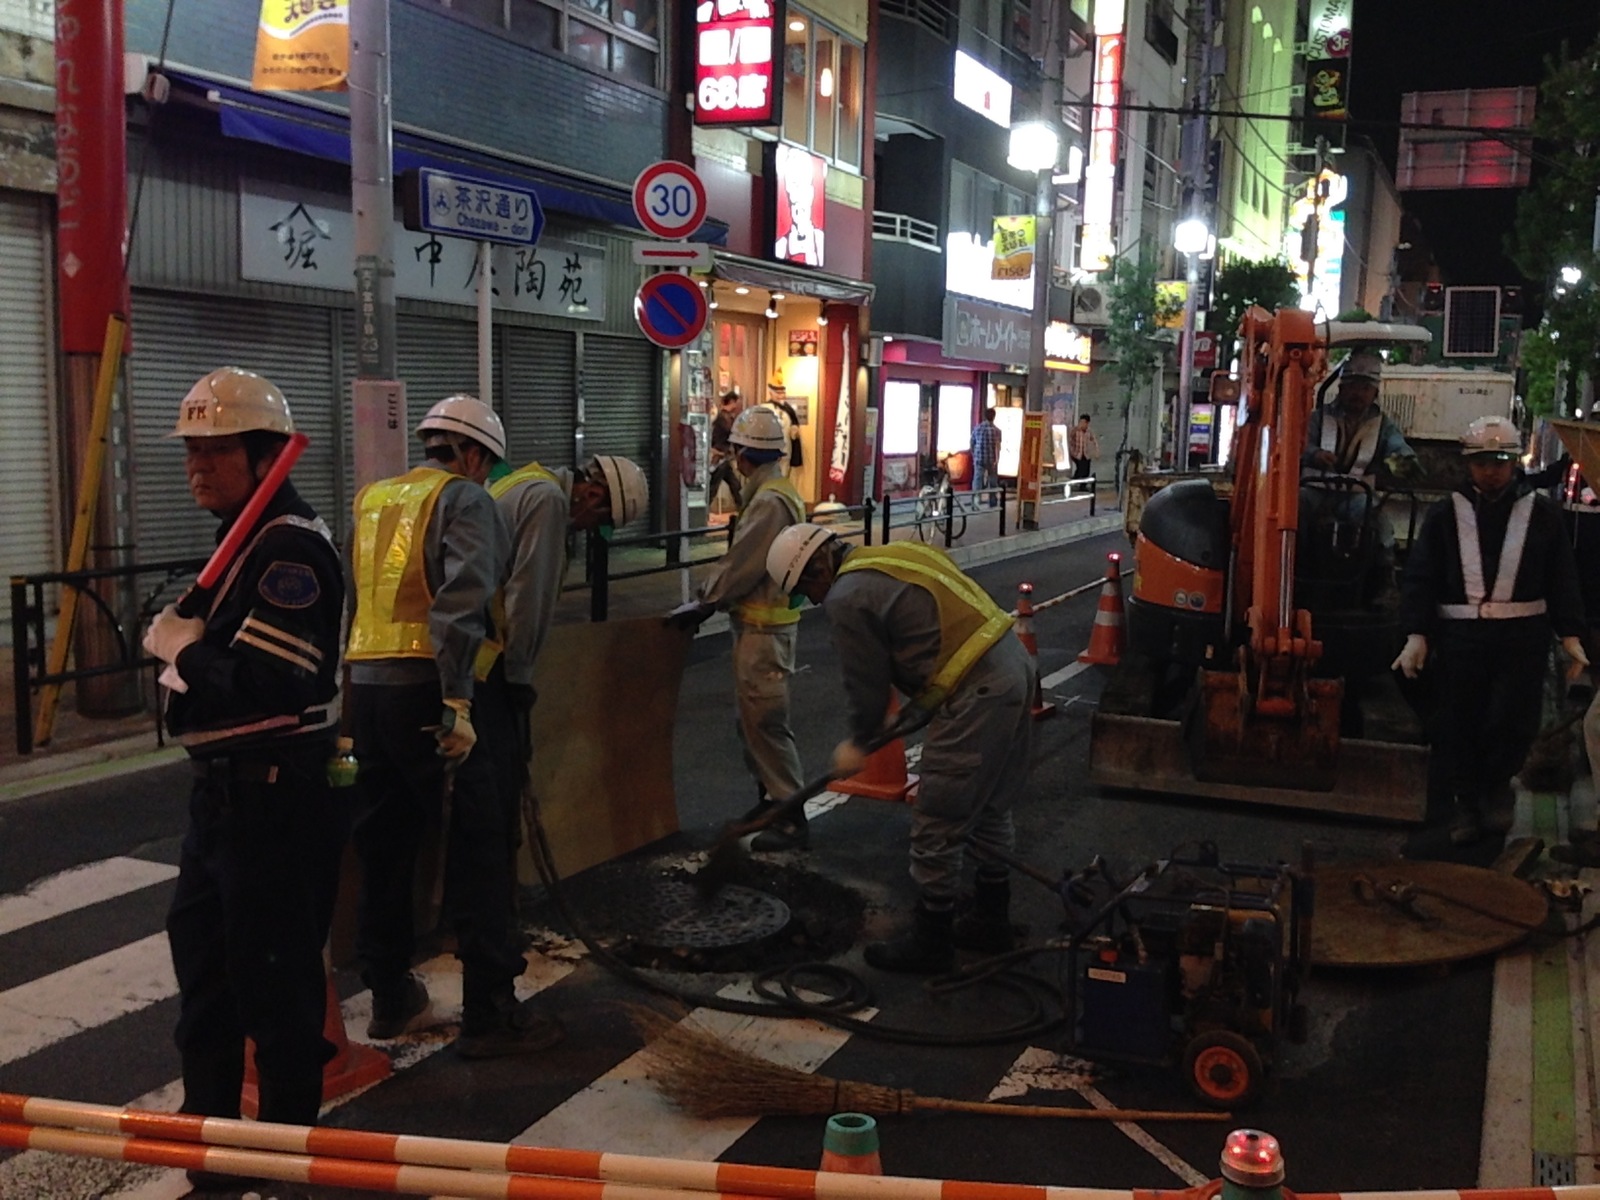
[(733, 917)]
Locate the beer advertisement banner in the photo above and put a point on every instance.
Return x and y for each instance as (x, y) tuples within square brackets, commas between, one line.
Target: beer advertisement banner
[(1013, 248), (302, 46)]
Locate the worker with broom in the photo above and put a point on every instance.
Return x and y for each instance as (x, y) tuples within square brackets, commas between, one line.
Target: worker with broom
[(763, 621), (905, 617)]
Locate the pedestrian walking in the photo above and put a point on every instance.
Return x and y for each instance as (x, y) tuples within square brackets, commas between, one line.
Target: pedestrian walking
[(430, 715), (721, 455), (1489, 579), (762, 620), (905, 618), (986, 455), (253, 696), (1083, 447)]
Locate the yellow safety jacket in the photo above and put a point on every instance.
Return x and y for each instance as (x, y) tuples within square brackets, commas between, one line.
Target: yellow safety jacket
[(393, 599), (768, 606), (533, 473), (969, 621)]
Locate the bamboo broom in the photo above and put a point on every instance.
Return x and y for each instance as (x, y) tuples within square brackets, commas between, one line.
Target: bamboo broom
[(708, 1078)]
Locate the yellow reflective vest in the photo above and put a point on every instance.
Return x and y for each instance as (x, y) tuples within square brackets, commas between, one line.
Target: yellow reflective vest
[(533, 473), (969, 621), (773, 607), (393, 599)]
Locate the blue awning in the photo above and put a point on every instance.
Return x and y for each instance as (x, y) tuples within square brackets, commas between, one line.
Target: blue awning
[(320, 133)]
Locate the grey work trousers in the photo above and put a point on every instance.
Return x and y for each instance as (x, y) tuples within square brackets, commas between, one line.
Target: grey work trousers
[(763, 660), (975, 761)]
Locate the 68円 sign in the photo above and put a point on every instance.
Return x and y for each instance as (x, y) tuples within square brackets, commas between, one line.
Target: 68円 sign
[(735, 55)]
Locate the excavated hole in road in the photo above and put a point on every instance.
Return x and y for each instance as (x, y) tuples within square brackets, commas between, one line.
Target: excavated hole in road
[(767, 915)]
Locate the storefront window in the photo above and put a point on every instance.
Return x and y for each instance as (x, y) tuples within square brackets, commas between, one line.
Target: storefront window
[(901, 400), (955, 418), (849, 103), (588, 45), (824, 93), (796, 80), (616, 36)]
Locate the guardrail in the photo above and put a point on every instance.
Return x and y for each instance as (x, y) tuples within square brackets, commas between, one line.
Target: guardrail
[(29, 644)]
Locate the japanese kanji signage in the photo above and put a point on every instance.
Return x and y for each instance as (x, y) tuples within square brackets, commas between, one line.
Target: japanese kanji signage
[(735, 55), (302, 46), (286, 236), (460, 206), (1013, 248)]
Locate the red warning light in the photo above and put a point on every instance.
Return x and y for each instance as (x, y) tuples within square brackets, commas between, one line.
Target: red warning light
[(1252, 1158)]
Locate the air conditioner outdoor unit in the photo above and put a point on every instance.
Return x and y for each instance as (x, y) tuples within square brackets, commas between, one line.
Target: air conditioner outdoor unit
[(1089, 305)]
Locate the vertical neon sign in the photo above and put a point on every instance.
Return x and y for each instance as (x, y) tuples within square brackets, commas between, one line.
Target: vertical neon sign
[(1100, 176)]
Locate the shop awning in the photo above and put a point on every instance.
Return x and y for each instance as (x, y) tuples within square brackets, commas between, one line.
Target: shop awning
[(324, 133), (796, 281)]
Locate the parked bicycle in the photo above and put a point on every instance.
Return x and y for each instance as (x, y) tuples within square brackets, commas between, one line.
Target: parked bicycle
[(941, 514)]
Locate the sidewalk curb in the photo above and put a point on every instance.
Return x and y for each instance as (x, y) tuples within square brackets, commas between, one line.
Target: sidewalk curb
[(73, 767)]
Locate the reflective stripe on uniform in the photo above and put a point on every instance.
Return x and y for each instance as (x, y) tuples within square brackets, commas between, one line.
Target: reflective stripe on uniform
[(532, 473), (969, 621), (1498, 605), (773, 614), (1366, 447), (392, 596)]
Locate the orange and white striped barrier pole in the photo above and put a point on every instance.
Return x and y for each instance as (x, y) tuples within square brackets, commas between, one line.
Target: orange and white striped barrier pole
[(1024, 631)]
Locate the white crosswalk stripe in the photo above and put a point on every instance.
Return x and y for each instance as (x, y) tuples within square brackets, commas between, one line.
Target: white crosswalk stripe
[(79, 888)]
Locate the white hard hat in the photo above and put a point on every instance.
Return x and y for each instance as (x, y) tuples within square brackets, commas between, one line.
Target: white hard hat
[(470, 417), (792, 549), (1364, 364), (1492, 435), (759, 429), (627, 485), (232, 400)]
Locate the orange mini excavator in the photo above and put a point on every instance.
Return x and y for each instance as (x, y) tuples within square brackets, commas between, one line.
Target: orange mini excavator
[(1259, 639)]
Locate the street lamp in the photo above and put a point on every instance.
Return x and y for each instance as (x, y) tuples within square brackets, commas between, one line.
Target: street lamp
[(1191, 238), (1571, 276), (1035, 146)]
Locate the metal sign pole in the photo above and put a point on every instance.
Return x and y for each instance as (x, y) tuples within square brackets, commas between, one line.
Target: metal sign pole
[(485, 325)]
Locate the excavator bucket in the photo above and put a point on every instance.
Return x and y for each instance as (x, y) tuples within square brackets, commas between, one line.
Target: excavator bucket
[(1232, 743)]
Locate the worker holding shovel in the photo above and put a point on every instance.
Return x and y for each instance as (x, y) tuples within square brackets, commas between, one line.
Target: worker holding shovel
[(905, 617), (252, 661)]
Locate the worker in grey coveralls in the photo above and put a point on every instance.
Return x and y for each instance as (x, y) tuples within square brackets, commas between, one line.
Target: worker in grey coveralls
[(905, 618), (763, 621), (1351, 437)]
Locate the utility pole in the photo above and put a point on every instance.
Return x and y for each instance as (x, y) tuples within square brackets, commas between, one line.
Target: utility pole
[(379, 397)]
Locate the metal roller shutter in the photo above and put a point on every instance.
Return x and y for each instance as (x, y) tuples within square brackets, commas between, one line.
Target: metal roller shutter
[(540, 386), (177, 339), (619, 403), (28, 517)]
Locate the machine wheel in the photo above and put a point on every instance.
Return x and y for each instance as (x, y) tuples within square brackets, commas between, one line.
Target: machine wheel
[(1223, 1069)]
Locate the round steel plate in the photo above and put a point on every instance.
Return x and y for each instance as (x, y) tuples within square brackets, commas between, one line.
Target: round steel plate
[(1418, 925), (679, 916)]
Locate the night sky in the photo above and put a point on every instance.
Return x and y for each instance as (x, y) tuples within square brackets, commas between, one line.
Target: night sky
[(1433, 45)]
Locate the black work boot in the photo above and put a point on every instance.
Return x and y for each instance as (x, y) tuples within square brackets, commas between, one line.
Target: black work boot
[(926, 950), (789, 833), (399, 1010), (986, 927), (518, 1029)]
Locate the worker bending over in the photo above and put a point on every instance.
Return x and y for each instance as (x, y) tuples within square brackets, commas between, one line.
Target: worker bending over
[(1489, 578), (540, 508), (763, 620), (428, 554), (253, 697), (905, 617)]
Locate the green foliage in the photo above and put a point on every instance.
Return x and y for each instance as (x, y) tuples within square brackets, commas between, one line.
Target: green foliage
[(1242, 283), (1540, 353), (1355, 314), (1556, 216), (1133, 313)]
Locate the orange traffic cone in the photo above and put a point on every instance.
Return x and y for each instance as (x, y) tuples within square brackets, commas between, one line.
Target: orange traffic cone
[(352, 1067), (1108, 636), (850, 1145), (884, 777), (1024, 629)]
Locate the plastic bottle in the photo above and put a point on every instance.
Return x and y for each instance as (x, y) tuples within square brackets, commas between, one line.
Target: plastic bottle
[(342, 766), (850, 1145)]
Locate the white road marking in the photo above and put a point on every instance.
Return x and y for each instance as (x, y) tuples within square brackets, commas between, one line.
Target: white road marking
[(1057, 678), (79, 888), (1045, 1070), (622, 1113)]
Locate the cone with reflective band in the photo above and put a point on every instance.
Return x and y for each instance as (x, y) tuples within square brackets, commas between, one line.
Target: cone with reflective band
[(1024, 629), (1109, 635), (352, 1067), (884, 777)]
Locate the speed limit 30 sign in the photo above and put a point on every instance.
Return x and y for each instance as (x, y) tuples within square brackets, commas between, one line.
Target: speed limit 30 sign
[(669, 199)]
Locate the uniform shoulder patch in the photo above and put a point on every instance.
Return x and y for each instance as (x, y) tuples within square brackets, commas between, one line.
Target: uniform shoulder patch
[(289, 585)]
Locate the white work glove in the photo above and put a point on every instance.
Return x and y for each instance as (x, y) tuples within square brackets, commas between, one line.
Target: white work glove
[(690, 616), (1579, 660), (848, 758), (1412, 657), (455, 735), (170, 635)]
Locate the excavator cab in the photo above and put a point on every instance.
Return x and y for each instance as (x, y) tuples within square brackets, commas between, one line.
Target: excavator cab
[(1256, 638)]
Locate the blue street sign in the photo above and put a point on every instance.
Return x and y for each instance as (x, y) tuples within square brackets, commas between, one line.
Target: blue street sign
[(671, 310), (460, 206)]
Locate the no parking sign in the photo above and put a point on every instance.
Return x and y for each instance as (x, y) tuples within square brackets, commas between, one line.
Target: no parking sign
[(671, 310)]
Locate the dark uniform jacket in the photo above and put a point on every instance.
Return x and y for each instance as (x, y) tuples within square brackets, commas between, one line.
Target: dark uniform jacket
[(266, 669), (1433, 573)]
